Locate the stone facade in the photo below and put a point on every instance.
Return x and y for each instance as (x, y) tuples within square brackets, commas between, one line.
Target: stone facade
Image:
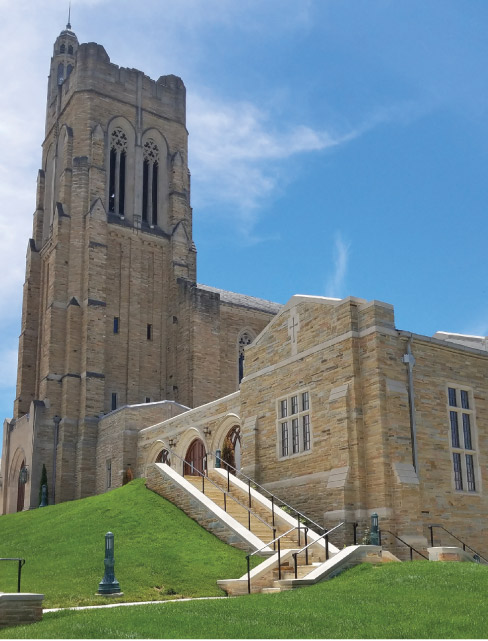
[(112, 313), (379, 421)]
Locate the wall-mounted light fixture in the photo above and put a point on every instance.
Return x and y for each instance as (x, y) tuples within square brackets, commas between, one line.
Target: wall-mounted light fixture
[(23, 475)]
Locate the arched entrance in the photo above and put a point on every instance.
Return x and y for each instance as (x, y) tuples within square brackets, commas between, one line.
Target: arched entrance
[(231, 448), (194, 458), (163, 457), (20, 490)]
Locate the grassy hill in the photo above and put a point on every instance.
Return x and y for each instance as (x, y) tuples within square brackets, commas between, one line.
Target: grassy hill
[(397, 600), (160, 553)]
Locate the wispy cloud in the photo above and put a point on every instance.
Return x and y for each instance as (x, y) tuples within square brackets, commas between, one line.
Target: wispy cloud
[(337, 280), (236, 154)]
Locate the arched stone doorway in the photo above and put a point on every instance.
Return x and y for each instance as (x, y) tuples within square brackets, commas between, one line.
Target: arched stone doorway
[(231, 448), (20, 490), (194, 459), (163, 457)]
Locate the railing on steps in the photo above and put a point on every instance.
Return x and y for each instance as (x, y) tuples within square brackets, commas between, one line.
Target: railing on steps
[(412, 549), (21, 562), (226, 494), (301, 518), (465, 545), (275, 541), (306, 546)]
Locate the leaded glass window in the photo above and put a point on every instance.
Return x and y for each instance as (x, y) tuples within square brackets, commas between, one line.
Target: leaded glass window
[(293, 422), (463, 445)]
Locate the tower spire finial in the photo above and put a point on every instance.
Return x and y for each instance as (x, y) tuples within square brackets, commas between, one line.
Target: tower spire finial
[(68, 26)]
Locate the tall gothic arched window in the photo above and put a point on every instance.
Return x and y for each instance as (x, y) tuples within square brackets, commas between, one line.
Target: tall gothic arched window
[(150, 182), (244, 339), (118, 156), (60, 73)]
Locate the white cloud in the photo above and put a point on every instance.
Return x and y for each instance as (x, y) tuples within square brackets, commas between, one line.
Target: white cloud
[(236, 152), (337, 280)]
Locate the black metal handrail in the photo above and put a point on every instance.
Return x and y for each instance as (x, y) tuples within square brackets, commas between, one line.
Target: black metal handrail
[(274, 498), (21, 563), (305, 548), (249, 511), (273, 543), (412, 549), (465, 545)]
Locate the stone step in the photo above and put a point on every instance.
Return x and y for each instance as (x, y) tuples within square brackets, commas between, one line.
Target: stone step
[(270, 590)]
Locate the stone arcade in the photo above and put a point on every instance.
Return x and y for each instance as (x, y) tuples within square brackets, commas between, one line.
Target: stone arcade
[(338, 412)]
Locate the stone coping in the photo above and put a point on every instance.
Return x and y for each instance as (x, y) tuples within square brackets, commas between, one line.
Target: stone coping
[(21, 596)]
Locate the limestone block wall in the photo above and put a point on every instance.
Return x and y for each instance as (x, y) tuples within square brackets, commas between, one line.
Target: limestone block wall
[(439, 366), (20, 608), (118, 435)]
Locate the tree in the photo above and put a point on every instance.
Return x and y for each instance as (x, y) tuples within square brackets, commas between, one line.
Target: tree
[(43, 482)]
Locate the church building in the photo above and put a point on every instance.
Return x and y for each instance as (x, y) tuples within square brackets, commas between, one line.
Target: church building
[(125, 361), (112, 313)]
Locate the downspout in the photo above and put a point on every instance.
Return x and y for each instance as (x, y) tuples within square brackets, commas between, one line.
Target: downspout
[(409, 361)]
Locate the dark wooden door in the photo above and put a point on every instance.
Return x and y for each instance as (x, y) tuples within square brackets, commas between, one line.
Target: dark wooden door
[(20, 493), (194, 458)]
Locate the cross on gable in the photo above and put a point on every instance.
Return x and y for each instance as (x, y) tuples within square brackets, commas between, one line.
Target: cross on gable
[(293, 327)]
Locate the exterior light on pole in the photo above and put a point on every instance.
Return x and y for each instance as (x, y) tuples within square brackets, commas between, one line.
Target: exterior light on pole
[(218, 454), (56, 421), (374, 534), (109, 586), (43, 496)]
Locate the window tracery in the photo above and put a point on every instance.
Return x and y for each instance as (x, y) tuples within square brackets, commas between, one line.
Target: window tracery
[(150, 182), (118, 156)]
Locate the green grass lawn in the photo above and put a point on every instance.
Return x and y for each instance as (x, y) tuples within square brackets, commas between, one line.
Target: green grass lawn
[(408, 600), (160, 553)]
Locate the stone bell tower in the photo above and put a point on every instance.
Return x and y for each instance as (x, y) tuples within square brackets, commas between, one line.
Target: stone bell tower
[(112, 235)]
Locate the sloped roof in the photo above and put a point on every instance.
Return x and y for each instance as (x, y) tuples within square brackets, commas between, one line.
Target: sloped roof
[(241, 300)]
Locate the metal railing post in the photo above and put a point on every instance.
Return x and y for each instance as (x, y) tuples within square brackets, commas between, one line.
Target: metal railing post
[(203, 483), (249, 491), (248, 574), (379, 537), (411, 554), (279, 560), (228, 479), (18, 578), (306, 549), (298, 526), (225, 502), (431, 536), (295, 562), (274, 537), (249, 520), (272, 509), (355, 534), (326, 547)]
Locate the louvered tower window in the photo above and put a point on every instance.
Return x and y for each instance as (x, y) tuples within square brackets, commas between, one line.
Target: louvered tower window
[(118, 157), (150, 182)]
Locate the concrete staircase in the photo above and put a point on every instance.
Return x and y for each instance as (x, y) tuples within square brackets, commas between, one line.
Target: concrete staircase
[(263, 522), (255, 529)]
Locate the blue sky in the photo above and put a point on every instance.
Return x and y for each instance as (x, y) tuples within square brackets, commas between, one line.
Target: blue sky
[(337, 147)]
